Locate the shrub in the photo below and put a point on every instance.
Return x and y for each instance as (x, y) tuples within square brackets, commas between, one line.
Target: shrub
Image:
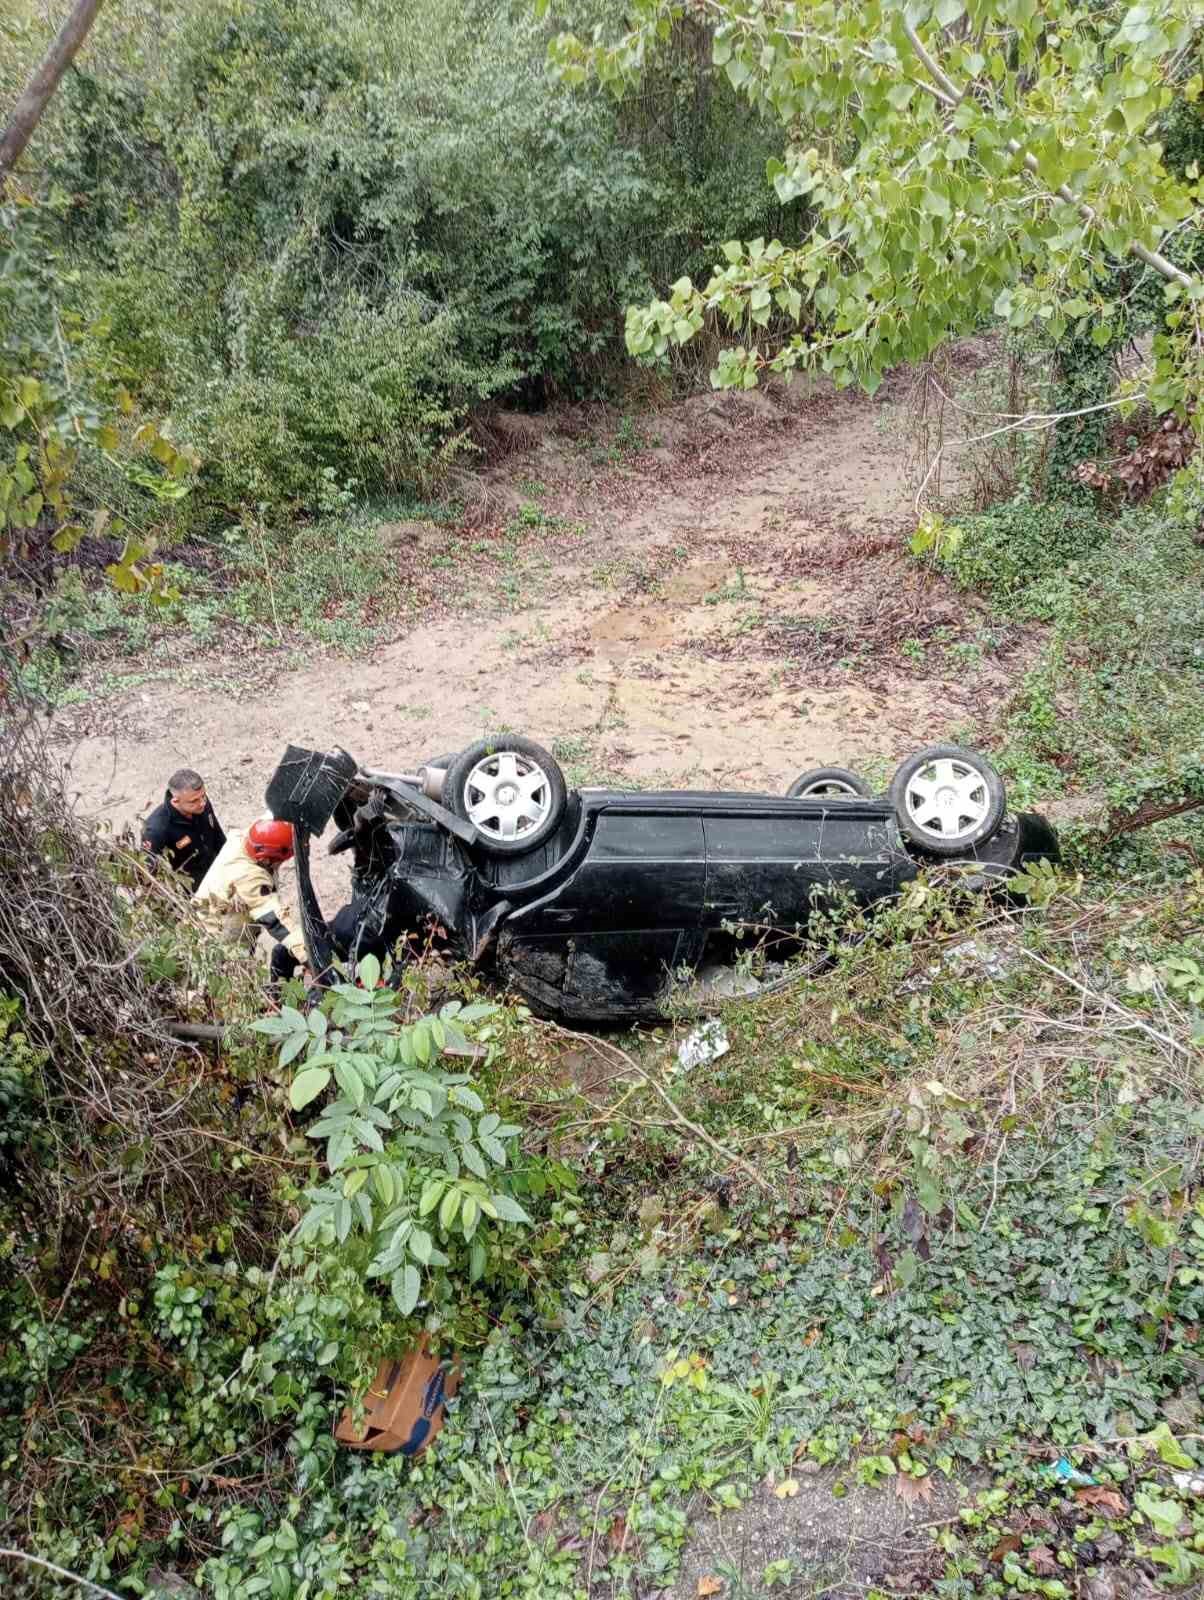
[(422, 1180), (1115, 705), (344, 224), (1005, 550), (367, 397)]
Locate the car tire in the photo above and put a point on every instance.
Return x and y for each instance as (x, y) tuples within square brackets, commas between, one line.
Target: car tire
[(512, 791), (947, 800), (829, 783)]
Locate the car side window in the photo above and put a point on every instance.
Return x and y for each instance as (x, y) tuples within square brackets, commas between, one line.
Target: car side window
[(622, 837)]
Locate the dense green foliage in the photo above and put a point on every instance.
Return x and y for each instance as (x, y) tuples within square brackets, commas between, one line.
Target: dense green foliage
[(1011, 547), (422, 1178), (915, 1297), (305, 240), (60, 402), (588, 1410), (964, 161), (318, 235), (1115, 706)]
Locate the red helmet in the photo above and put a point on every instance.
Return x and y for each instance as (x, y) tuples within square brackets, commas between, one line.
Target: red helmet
[(269, 842)]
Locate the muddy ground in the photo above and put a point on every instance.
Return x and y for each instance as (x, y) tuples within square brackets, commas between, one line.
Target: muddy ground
[(718, 597)]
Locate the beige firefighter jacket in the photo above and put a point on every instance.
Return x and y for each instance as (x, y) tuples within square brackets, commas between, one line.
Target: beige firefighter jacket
[(237, 893)]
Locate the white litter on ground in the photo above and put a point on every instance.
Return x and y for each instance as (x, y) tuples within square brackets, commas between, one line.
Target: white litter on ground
[(706, 1043)]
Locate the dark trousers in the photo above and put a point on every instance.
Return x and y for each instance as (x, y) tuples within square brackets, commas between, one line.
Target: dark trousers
[(283, 963), (349, 937)]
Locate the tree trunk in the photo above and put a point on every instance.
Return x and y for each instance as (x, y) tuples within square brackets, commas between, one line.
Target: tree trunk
[(29, 108)]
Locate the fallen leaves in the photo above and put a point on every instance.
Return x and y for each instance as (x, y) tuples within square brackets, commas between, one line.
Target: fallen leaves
[(617, 1534), (1106, 1499), (912, 1490), (787, 1489), (709, 1584), (1042, 1560), (1039, 1517)]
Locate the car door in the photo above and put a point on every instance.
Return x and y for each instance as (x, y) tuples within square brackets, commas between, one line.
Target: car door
[(626, 918), (762, 864), (770, 861)]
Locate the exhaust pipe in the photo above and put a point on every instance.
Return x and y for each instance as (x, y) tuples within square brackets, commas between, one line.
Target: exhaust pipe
[(427, 780), (433, 780)]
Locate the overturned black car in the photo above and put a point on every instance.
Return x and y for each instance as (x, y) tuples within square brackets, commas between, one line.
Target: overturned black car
[(597, 904)]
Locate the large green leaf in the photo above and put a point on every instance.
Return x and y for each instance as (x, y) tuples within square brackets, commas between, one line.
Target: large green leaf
[(307, 1086), (448, 1208), (508, 1209), (349, 1081), (406, 1284), (1165, 1514), (494, 1149), (292, 1047), (477, 1257)]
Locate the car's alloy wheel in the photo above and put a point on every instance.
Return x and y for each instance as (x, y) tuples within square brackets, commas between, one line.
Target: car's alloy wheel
[(948, 800), (510, 789)]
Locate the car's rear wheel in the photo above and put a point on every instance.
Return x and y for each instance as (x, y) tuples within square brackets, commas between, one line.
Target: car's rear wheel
[(829, 783), (948, 800), (512, 791)]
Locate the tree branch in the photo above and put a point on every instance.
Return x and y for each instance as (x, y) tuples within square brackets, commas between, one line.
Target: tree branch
[(679, 1118), (28, 110), (1152, 258), (1033, 422), (61, 1572), (951, 96), (1147, 812)]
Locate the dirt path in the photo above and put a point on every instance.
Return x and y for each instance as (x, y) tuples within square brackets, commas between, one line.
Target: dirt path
[(726, 606)]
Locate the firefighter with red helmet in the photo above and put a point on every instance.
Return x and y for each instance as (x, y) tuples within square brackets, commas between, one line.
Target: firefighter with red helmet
[(238, 896)]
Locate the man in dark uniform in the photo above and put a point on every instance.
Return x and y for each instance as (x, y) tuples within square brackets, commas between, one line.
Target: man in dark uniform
[(184, 830)]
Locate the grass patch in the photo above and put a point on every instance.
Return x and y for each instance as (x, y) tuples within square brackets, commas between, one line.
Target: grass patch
[(1009, 548), (1114, 708), (331, 582)]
